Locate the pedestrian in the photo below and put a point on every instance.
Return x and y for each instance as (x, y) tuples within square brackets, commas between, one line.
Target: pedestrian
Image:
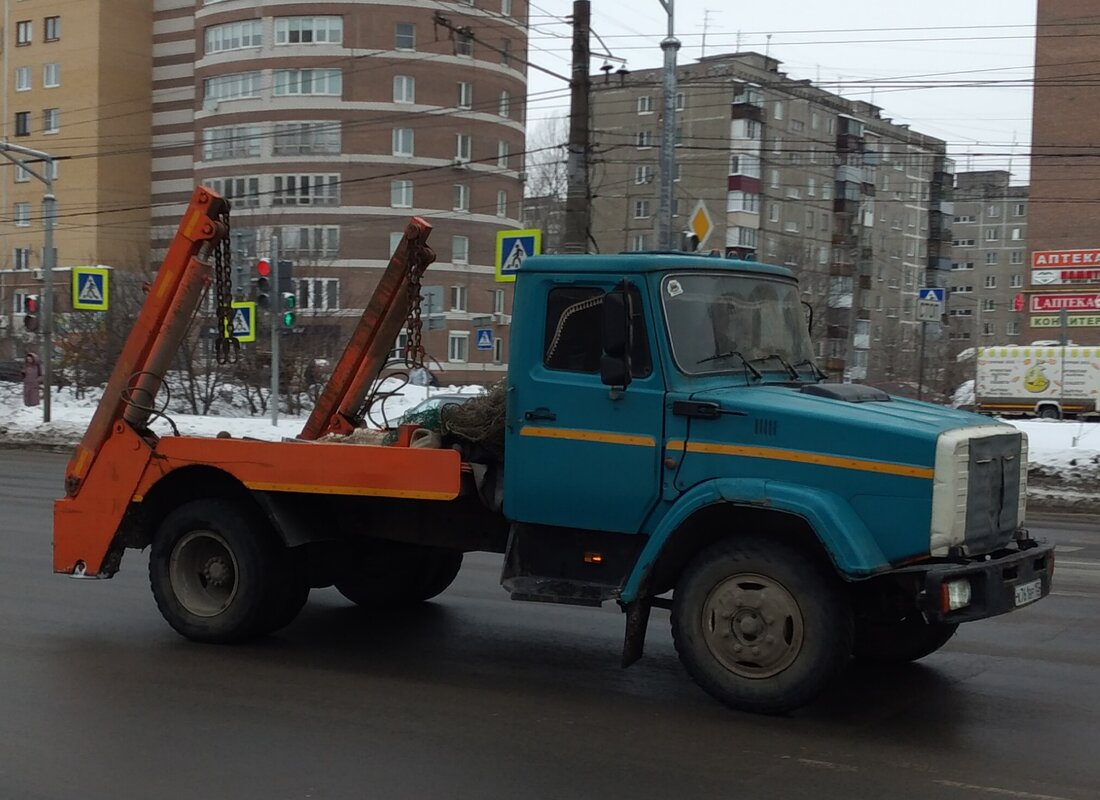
[(32, 380)]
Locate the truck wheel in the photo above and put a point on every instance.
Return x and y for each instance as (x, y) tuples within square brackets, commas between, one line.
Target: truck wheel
[(406, 583), (1049, 412), (897, 641), (760, 625), (293, 594), (215, 573)]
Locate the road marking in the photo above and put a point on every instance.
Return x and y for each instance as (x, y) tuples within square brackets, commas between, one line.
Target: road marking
[(1066, 548), (810, 762), (1062, 562), (1002, 792)]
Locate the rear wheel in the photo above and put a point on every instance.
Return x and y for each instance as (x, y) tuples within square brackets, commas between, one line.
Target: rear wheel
[(405, 580), (895, 641), (1049, 412), (760, 625), (217, 573)]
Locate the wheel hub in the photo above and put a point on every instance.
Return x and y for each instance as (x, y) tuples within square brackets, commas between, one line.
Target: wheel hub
[(203, 573), (752, 625)]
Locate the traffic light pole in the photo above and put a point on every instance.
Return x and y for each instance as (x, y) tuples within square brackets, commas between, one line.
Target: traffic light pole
[(275, 311)]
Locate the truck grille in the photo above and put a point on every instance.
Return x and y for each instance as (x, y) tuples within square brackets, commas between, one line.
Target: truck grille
[(994, 476)]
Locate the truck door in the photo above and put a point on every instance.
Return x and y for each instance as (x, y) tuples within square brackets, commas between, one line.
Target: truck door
[(578, 454)]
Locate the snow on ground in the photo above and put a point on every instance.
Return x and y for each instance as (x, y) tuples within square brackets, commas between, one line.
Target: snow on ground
[(1064, 457)]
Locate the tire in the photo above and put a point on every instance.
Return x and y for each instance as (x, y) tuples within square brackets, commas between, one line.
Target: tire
[(898, 641), (292, 597), (401, 582), (216, 573), (1049, 412), (760, 625)]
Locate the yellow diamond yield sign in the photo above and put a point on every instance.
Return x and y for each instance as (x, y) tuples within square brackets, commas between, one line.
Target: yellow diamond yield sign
[(700, 223)]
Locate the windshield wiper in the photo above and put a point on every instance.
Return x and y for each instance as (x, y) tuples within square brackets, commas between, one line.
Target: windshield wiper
[(755, 372), (791, 371), (817, 371)]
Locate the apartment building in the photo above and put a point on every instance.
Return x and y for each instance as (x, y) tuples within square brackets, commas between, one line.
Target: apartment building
[(989, 261), (328, 125), (1064, 265), (785, 172), (76, 86)]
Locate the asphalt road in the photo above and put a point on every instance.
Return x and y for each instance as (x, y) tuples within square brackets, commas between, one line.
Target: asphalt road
[(474, 696)]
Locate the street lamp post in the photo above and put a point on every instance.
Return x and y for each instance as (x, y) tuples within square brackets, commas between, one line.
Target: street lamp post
[(670, 44), (49, 203)]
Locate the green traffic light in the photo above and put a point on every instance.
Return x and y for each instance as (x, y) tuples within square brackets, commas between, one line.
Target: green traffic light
[(288, 319)]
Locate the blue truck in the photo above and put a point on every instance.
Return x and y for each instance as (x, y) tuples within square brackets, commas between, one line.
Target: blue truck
[(667, 441)]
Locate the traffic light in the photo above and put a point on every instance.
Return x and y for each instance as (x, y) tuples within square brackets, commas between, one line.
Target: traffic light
[(287, 303), (31, 306), (262, 282), (1018, 302), (286, 277)]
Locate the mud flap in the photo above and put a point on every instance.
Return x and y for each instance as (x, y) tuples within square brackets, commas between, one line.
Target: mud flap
[(637, 621)]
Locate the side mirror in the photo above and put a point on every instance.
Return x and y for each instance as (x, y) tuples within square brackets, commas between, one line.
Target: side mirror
[(617, 337)]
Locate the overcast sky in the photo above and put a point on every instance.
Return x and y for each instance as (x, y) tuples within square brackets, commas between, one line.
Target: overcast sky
[(961, 70)]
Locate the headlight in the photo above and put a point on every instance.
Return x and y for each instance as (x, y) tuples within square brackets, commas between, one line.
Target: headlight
[(956, 595)]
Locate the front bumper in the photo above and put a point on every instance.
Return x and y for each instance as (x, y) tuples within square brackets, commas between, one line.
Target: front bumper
[(993, 578)]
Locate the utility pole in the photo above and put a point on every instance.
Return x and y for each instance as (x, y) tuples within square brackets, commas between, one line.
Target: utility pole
[(670, 44), (578, 210), (276, 309)]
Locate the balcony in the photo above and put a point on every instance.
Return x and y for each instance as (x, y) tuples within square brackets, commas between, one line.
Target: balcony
[(746, 111), (840, 269), (845, 239), (842, 205)]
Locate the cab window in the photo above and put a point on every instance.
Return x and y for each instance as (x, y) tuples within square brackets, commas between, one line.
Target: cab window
[(572, 341)]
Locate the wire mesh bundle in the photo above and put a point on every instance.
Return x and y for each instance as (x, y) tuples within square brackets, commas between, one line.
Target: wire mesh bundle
[(480, 420)]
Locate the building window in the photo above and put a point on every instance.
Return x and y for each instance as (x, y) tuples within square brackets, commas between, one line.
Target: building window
[(643, 174), (296, 82), (232, 87), (404, 89), (464, 45), (314, 240), (21, 174), (963, 243), (1016, 234), (306, 190), (53, 29), (51, 120), (506, 52), (498, 350), (51, 76), (502, 155), (460, 249), (243, 192), (991, 257), (21, 257), (233, 36), (24, 32), (318, 294), (309, 30), (744, 201), (461, 197), (458, 298), (404, 37), (641, 209), (22, 79), (1013, 328), (746, 165), (232, 141), (502, 204), (22, 215), (401, 194), (1016, 257), (990, 281), (506, 7), (645, 139), (989, 305), (402, 141), (22, 123), (463, 147), (505, 107), (1019, 209), (777, 110), (498, 301), (645, 104), (639, 242), (307, 138), (681, 101), (1017, 282), (458, 347), (775, 179), (993, 211), (992, 234), (465, 95)]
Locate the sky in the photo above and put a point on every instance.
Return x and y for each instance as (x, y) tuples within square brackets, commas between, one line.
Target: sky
[(957, 70)]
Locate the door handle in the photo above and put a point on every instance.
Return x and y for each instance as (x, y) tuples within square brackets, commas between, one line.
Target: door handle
[(540, 414)]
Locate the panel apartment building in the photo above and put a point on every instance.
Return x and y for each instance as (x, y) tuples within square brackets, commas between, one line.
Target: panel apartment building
[(858, 206), (76, 86), (1064, 241), (989, 261), (329, 124)]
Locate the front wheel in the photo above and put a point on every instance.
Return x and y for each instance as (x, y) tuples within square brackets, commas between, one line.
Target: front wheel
[(760, 625), (895, 641), (402, 580), (216, 573)]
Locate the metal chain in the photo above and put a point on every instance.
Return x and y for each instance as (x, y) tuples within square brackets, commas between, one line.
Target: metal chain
[(414, 350), (226, 346)]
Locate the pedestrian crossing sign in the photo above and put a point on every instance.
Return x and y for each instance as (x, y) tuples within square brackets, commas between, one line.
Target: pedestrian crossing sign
[(242, 321), (513, 248), (484, 338), (91, 287)]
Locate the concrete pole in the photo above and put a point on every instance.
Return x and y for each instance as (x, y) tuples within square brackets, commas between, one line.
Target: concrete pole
[(578, 211), (275, 314), (665, 238), (49, 210)]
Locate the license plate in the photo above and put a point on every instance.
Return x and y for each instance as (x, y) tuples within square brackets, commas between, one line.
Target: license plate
[(1029, 592)]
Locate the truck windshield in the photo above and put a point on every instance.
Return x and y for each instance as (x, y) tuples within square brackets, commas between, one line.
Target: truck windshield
[(718, 322)]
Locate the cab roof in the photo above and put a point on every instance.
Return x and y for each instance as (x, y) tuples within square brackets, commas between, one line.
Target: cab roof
[(634, 263)]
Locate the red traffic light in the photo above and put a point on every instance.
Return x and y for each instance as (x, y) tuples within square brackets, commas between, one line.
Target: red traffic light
[(1018, 302), (30, 304), (263, 267)]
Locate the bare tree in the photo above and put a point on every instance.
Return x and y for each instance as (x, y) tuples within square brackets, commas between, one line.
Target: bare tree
[(547, 179)]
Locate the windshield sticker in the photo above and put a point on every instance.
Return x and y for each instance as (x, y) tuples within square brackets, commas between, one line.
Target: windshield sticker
[(674, 288)]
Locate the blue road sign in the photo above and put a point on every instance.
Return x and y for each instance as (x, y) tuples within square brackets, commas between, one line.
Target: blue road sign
[(484, 338), (934, 293), (242, 321), (513, 248), (91, 290)]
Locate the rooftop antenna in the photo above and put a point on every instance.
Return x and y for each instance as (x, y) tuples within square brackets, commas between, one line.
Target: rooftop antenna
[(768, 45), (738, 46), (1011, 152), (706, 24)]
